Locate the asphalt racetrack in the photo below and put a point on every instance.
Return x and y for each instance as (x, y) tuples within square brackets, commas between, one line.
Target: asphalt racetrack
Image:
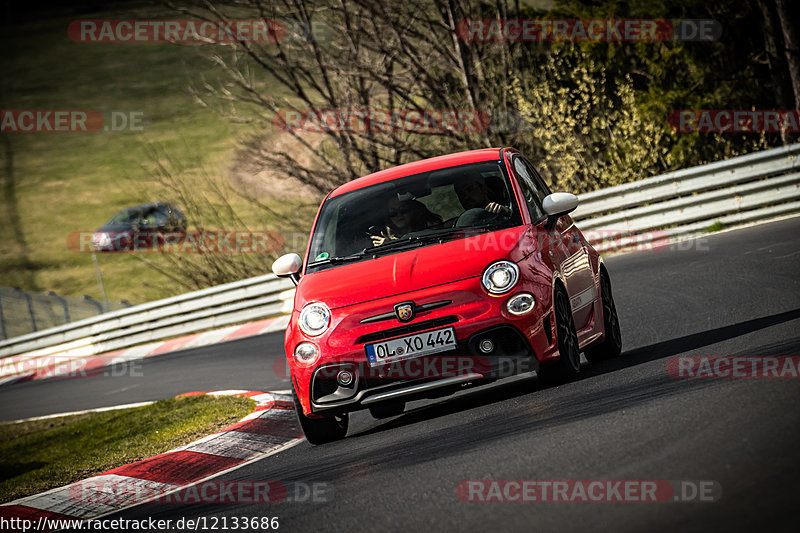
[(732, 294)]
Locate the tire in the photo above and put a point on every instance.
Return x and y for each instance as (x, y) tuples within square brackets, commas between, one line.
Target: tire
[(568, 365), (612, 343), (387, 409), (321, 430)]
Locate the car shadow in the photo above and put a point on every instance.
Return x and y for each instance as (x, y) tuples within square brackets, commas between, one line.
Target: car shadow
[(694, 341), (598, 403)]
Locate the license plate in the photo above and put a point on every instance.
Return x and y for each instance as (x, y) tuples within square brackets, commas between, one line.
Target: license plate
[(438, 340)]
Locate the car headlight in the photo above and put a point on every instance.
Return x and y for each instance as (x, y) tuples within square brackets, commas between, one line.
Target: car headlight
[(500, 277), (101, 240), (314, 319)]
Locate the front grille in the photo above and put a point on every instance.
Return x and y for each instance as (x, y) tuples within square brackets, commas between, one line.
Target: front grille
[(407, 329), (424, 308)]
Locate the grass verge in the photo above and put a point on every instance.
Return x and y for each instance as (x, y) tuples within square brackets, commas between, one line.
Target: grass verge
[(54, 184), (43, 454)]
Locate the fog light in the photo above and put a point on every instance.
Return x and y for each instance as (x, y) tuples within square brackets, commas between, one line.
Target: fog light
[(486, 346), (345, 378), (306, 354), (521, 304)]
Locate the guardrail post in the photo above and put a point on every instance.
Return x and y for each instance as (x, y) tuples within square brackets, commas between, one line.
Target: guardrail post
[(63, 304), (95, 303), (2, 320), (29, 299)]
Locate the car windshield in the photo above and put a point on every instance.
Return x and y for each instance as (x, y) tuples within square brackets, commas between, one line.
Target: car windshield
[(419, 210), (125, 217)]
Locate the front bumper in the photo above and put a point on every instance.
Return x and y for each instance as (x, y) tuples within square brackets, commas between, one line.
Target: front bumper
[(429, 376), (521, 342)]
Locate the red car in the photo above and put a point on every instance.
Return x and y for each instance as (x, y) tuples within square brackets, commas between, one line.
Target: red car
[(426, 278)]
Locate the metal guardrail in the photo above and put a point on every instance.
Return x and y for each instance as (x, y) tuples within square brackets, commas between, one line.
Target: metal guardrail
[(22, 312), (756, 186), (219, 306), (685, 202)]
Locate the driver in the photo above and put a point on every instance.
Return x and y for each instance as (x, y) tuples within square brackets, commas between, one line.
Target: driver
[(474, 194)]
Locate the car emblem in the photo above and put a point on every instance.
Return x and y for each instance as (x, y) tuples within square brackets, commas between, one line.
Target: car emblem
[(404, 311)]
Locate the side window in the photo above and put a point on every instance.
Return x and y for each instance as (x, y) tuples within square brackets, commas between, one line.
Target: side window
[(165, 216), (135, 218), (148, 218), (160, 220), (530, 189), (543, 189)]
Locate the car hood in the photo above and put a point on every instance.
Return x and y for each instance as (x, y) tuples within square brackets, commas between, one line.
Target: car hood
[(410, 270)]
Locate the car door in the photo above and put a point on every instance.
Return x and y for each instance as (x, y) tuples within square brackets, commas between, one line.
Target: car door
[(563, 246), (546, 242)]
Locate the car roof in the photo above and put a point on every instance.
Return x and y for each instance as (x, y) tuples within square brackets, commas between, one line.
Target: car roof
[(417, 167), (144, 207)]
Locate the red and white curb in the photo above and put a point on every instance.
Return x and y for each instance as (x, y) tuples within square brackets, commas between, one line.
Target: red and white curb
[(32, 366), (270, 428)]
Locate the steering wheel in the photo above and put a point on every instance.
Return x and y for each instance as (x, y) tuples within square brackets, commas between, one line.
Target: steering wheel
[(473, 217)]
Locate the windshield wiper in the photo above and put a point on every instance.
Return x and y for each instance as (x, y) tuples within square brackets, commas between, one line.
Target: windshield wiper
[(491, 225), (439, 236), (392, 245)]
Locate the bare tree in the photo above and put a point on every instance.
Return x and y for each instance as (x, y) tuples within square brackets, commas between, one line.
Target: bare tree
[(208, 203), (788, 20), (359, 56), (773, 43)]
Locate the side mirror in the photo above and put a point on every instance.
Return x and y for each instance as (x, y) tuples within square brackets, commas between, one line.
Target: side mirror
[(557, 204), (288, 265)]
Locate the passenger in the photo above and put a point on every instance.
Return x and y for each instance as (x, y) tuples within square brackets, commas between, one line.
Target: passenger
[(403, 217)]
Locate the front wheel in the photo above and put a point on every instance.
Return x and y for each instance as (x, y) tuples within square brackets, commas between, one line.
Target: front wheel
[(568, 365), (612, 343), (321, 430)]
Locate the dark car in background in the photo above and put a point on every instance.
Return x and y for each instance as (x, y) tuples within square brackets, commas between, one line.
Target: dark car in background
[(138, 226)]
